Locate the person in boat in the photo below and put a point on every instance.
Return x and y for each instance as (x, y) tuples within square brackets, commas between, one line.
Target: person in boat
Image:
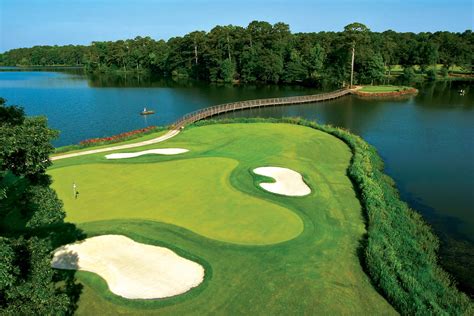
[(144, 109)]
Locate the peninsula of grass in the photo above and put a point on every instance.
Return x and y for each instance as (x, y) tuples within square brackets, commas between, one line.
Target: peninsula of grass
[(385, 91), (263, 253)]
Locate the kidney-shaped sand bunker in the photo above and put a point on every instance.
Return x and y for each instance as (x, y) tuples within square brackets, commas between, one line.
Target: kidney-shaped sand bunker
[(287, 182), (131, 269)]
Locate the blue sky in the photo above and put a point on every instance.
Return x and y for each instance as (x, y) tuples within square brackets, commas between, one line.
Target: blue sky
[(25, 23)]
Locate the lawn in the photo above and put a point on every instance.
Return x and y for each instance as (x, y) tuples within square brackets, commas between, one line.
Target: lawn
[(382, 89), (168, 192), (263, 253)]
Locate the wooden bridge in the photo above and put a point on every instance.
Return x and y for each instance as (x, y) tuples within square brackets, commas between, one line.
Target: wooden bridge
[(249, 104)]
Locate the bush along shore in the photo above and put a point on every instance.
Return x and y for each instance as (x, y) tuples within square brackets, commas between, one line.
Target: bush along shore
[(400, 250)]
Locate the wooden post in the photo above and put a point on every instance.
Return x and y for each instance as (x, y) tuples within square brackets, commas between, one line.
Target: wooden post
[(352, 65)]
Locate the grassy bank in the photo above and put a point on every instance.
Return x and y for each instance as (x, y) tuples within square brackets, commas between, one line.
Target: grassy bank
[(401, 249)]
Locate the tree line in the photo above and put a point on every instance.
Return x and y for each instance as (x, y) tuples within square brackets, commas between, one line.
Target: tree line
[(262, 52)]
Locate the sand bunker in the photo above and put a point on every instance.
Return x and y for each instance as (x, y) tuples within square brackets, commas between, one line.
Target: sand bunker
[(131, 269), (287, 181), (161, 151)]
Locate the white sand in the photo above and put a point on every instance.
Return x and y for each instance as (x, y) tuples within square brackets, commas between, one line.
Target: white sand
[(131, 269), (287, 181), (161, 151)]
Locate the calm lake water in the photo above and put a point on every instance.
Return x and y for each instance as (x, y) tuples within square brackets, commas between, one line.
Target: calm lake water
[(426, 141)]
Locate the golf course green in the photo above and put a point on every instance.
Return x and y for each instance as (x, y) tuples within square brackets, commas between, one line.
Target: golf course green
[(386, 88), (263, 253)]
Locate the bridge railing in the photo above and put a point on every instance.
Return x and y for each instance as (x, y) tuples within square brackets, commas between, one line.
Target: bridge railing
[(240, 105)]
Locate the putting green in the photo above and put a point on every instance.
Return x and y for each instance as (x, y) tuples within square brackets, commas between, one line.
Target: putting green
[(193, 193), (381, 89), (222, 219)]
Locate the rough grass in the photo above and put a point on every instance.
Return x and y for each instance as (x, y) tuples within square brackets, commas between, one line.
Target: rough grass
[(317, 272)]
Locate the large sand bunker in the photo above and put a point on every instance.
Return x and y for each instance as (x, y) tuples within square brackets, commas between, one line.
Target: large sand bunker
[(161, 151), (287, 181), (131, 269)]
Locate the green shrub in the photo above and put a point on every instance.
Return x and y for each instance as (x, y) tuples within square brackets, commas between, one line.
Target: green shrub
[(444, 72), (431, 74), (408, 74)]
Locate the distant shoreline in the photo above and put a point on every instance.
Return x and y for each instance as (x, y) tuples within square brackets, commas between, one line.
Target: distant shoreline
[(26, 68)]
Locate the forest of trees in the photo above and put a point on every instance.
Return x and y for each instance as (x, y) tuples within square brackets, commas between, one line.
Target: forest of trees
[(31, 221), (32, 216), (262, 52)]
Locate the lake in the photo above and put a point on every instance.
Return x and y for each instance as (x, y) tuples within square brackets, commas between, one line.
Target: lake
[(87, 107), (426, 141)]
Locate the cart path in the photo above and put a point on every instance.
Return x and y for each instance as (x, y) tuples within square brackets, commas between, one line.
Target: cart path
[(160, 139)]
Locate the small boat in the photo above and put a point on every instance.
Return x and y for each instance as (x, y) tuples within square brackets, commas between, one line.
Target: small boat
[(147, 112)]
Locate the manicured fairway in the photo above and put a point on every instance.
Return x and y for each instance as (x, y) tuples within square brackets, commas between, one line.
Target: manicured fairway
[(264, 253)]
